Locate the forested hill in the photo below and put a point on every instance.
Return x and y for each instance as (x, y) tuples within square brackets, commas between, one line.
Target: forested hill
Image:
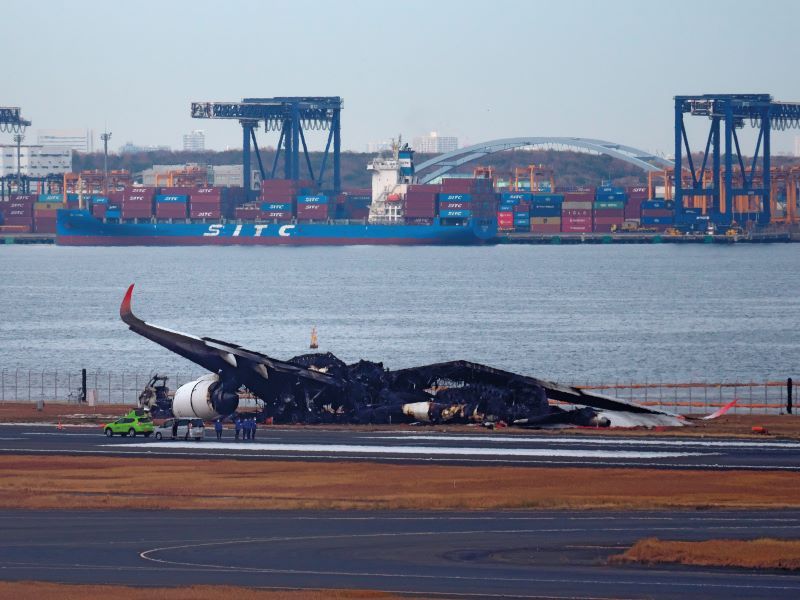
[(572, 168)]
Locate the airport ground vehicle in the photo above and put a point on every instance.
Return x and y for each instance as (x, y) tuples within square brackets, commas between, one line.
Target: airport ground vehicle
[(131, 425), (165, 430)]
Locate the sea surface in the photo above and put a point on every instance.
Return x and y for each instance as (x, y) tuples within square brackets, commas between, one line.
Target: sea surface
[(600, 314)]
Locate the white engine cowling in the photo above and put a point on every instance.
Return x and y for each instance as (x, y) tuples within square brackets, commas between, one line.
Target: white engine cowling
[(203, 399)]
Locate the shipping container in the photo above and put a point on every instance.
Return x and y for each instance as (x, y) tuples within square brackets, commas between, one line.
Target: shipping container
[(609, 205), (576, 212), (573, 205), (204, 212), (515, 197), (276, 215), (318, 199), (455, 214), (540, 211), (657, 205), (136, 211), (637, 192), (170, 210), (583, 196), (545, 227), (656, 220), (656, 213), (455, 205), (51, 198), (113, 213), (546, 220), (274, 206), (442, 197), (99, 210), (99, 200), (176, 199)]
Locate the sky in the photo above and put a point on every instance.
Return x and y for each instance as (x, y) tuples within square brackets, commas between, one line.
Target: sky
[(474, 69)]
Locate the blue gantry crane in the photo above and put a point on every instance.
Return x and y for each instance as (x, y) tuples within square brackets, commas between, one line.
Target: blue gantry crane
[(292, 116), (11, 120), (732, 111)]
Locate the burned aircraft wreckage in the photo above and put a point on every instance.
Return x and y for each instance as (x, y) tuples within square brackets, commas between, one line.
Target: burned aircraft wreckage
[(320, 388)]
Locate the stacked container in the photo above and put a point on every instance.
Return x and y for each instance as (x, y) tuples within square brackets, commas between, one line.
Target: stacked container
[(275, 211), (546, 213), (205, 203), (313, 208), (608, 215), (420, 202), (455, 206), (633, 207), (171, 206), (576, 212), (99, 206), (657, 214), (137, 203), (522, 217), (17, 212), (354, 204), (44, 212)]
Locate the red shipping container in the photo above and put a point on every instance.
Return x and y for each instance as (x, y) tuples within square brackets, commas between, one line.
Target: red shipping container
[(247, 212), (24, 198), (176, 191), (18, 220), (633, 208), (138, 195), (171, 210), (587, 196), (576, 212), (311, 211), (16, 227), (99, 211), (637, 192), (545, 227), (458, 186), (136, 212), (359, 212), (204, 213), (45, 225), (608, 221), (607, 212), (275, 214), (44, 213), (276, 197), (420, 187), (455, 206)]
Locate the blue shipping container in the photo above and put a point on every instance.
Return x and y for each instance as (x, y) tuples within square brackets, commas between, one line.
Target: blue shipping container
[(455, 214), (312, 199), (113, 213), (657, 220), (607, 189), (506, 207), (517, 197), (99, 199), (70, 197), (51, 197), (547, 199), (276, 207), (455, 197), (657, 204), (174, 199)]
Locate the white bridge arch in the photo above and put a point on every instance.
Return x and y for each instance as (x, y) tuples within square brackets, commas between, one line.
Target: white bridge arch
[(445, 162)]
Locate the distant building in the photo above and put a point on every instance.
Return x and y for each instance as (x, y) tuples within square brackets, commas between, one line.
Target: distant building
[(81, 140), (435, 144), (797, 145), (228, 175), (35, 161), (131, 148), (194, 141)]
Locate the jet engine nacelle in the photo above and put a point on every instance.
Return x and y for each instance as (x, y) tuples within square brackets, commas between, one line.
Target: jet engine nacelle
[(204, 398)]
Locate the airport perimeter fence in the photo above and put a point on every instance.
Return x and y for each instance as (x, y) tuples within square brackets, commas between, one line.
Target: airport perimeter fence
[(123, 388)]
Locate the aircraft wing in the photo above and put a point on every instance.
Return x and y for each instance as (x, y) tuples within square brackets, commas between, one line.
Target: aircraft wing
[(246, 366)]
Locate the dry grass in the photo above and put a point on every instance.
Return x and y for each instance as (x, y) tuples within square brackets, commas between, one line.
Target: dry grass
[(116, 483), (751, 554), (59, 591)]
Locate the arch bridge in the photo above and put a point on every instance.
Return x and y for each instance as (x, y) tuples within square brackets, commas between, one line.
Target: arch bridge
[(446, 162)]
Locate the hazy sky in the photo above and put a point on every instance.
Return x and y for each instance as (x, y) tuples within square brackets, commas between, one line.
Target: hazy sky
[(475, 69)]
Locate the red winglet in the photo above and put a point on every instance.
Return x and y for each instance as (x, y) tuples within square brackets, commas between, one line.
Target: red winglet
[(721, 411), (125, 307)]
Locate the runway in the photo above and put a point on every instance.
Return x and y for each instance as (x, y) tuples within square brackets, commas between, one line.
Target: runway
[(503, 554), (425, 445)]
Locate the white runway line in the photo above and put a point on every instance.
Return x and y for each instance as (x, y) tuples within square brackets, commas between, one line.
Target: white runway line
[(413, 450), (606, 441)]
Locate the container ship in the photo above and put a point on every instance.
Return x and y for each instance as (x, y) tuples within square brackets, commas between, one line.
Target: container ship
[(291, 213)]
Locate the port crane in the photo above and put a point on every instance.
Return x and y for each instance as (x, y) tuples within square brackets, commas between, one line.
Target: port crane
[(291, 116), (11, 121), (726, 182)]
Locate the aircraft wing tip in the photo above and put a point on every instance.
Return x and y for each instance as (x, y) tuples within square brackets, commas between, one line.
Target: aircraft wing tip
[(125, 307)]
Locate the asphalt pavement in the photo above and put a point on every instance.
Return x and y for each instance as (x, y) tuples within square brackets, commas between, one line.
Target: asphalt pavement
[(423, 445), (497, 554)]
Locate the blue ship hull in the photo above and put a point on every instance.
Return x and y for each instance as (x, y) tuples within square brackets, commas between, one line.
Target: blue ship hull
[(80, 228)]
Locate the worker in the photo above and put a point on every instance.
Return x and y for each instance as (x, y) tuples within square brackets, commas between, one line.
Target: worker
[(188, 431), (218, 428), (238, 427), (247, 430), (254, 427), (174, 429)]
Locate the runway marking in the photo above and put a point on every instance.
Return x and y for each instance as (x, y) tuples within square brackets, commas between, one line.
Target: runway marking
[(407, 459), (426, 450), (147, 555), (591, 441)]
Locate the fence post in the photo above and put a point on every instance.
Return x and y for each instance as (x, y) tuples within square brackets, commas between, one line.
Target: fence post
[(83, 385), (789, 396)]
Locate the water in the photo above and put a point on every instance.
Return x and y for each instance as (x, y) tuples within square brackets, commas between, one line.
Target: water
[(604, 313)]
